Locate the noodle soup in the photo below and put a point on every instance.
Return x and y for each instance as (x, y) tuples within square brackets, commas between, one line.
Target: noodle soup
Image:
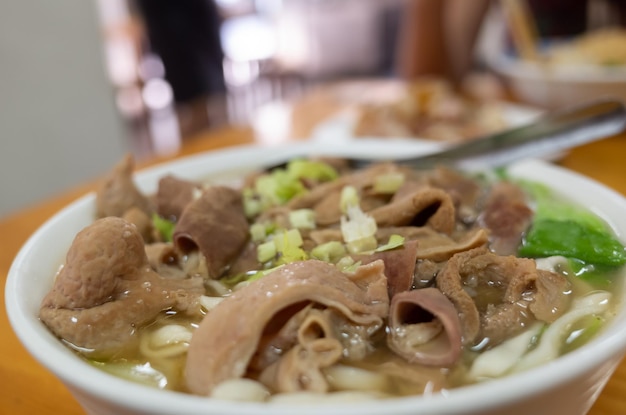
[(316, 279)]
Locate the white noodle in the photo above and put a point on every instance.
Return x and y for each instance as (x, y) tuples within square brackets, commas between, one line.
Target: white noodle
[(497, 361), (209, 303), (219, 288), (241, 390), (166, 341), (552, 263), (346, 378), (552, 338), (561, 265)]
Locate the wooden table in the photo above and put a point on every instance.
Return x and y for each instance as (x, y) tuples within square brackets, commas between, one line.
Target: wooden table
[(27, 388)]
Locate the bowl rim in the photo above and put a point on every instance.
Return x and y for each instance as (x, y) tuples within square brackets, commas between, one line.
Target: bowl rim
[(73, 371)]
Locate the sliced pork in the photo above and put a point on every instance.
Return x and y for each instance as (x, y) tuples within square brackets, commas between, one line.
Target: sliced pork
[(359, 180), (434, 245), (173, 195), (399, 266), (214, 224), (507, 217), (427, 206), (118, 193)]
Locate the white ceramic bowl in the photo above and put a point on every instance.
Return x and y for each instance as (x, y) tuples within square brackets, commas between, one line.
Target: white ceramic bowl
[(559, 86), (568, 385)]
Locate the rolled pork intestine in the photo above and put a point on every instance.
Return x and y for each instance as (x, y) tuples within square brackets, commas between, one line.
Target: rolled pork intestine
[(227, 339), (424, 327), (300, 368), (525, 294)]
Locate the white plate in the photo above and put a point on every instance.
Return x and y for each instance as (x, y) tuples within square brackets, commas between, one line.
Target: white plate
[(340, 126)]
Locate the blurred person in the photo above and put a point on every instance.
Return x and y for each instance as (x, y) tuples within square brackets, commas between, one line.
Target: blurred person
[(185, 34), (438, 37)]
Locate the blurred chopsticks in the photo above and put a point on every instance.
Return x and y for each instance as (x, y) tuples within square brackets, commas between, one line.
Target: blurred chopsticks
[(522, 28)]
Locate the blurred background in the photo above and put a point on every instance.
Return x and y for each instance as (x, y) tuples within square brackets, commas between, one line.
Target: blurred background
[(84, 82)]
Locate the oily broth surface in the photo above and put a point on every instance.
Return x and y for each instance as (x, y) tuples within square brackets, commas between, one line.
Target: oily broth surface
[(168, 372)]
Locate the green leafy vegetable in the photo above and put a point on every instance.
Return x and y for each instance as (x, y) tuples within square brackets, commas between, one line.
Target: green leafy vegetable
[(550, 207), (562, 228), (548, 237)]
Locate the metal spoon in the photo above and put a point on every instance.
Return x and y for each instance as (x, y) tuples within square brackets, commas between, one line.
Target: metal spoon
[(550, 134)]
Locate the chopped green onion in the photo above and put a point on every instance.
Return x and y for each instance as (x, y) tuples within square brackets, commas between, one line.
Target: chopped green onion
[(329, 252), (278, 187), (288, 245), (266, 251), (388, 182), (164, 227), (281, 185), (302, 218), (349, 197), (347, 264), (288, 238), (362, 245), (358, 230), (310, 169), (395, 241), (252, 205), (258, 232)]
